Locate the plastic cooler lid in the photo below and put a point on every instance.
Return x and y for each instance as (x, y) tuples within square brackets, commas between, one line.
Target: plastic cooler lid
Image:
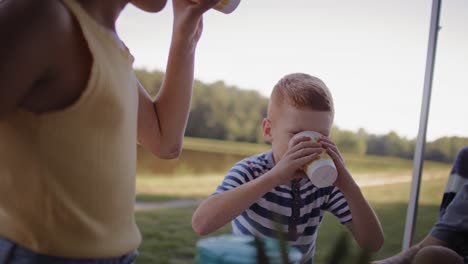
[(230, 249)]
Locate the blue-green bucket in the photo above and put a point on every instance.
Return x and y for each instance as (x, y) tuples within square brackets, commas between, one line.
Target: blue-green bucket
[(230, 249)]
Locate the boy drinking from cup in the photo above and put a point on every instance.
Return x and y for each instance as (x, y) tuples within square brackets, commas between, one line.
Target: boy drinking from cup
[(270, 190)]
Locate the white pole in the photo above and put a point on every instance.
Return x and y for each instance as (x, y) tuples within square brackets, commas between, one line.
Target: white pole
[(421, 140)]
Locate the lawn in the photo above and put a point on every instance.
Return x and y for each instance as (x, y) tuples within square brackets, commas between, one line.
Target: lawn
[(357, 163), (168, 237), (159, 189)]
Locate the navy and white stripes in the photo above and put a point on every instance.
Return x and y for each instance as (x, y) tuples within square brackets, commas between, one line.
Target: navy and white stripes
[(452, 225), (274, 211), (457, 178)]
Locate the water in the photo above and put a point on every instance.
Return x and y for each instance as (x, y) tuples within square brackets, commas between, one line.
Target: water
[(189, 163)]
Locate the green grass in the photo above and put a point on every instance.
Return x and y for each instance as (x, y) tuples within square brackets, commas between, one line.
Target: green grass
[(356, 163), (159, 189), (369, 163), (390, 203), (181, 187), (168, 237)]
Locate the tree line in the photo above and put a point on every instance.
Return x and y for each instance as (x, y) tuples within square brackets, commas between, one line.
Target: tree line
[(224, 112)]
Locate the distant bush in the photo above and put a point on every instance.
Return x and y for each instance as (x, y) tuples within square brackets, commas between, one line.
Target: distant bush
[(225, 112)]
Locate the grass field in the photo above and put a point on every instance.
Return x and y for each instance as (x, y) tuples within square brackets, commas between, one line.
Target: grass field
[(365, 169), (158, 189), (168, 237), (356, 163)]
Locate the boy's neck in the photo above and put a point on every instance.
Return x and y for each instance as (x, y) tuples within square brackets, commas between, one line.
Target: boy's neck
[(105, 12)]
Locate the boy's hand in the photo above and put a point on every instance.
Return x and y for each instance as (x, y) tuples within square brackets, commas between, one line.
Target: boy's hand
[(188, 21), (300, 152), (343, 174)]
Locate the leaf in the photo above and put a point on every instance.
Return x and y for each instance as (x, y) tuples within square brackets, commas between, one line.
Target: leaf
[(262, 257), (340, 251)]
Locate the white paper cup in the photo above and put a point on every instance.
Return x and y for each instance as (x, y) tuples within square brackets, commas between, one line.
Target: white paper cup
[(321, 172), (227, 6)]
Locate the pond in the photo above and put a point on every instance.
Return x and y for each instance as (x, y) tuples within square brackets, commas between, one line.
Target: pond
[(189, 163)]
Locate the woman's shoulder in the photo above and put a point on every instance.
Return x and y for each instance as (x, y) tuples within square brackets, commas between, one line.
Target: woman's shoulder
[(32, 15)]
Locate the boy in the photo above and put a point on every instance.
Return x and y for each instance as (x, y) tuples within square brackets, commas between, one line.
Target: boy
[(447, 242), (271, 187), (71, 113)]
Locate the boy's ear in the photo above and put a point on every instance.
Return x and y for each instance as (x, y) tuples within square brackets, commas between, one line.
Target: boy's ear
[(266, 126)]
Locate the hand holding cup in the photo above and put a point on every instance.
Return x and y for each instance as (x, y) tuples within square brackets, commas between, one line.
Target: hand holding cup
[(322, 171)]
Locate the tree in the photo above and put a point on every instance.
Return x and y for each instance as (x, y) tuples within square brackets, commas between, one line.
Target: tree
[(219, 111)]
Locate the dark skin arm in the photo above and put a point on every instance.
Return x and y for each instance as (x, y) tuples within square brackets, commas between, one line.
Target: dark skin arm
[(46, 63), (39, 39)]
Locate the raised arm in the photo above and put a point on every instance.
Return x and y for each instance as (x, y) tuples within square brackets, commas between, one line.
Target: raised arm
[(162, 122), (365, 226)]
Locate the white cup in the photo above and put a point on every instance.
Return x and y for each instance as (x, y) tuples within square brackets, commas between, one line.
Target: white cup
[(321, 172), (227, 6)]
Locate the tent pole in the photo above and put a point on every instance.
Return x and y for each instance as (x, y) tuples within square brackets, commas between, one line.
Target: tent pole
[(421, 139)]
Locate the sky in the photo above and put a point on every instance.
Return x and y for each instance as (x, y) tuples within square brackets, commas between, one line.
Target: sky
[(371, 54)]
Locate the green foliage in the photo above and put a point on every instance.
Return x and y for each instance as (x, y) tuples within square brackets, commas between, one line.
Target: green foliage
[(224, 112), (390, 145), (341, 253), (445, 149), (349, 142), (340, 250), (262, 257), (150, 80)]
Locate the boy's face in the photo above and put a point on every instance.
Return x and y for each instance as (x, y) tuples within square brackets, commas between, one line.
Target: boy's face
[(152, 6), (285, 121)]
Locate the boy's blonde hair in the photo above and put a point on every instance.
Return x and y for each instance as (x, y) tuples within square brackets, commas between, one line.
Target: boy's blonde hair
[(301, 90)]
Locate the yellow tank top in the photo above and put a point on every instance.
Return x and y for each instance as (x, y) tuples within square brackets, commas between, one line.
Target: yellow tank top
[(67, 178)]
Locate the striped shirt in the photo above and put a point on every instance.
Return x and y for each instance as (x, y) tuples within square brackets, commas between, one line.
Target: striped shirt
[(296, 210), (452, 225)]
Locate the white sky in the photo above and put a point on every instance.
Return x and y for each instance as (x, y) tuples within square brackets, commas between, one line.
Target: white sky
[(371, 54)]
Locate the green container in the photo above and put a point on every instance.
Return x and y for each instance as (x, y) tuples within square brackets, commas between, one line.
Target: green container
[(230, 249)]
